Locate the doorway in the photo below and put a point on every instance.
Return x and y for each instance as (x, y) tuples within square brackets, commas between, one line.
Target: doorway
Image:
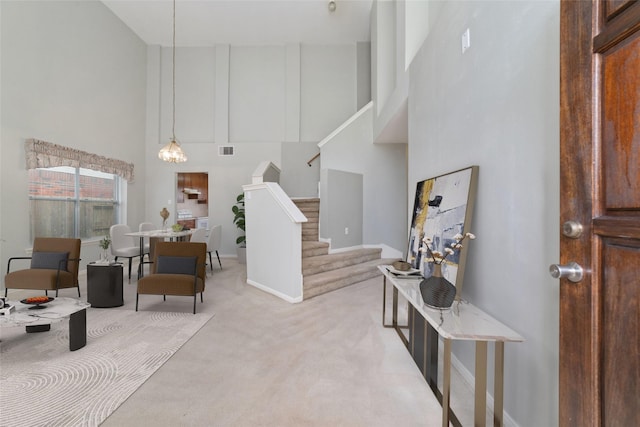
[(192, 199)]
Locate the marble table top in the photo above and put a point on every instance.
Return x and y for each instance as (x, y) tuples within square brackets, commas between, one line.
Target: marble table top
[(160, 233), (463, 321), (54, 311)]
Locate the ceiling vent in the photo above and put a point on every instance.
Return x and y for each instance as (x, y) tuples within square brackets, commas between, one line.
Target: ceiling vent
[(225, 150)]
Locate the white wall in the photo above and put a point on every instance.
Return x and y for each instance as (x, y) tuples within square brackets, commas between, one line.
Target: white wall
[(390, 80), (297, 178), (274, 241), (363, 66), (274, 104), (341, 208), (383, 45), (195, 94), (257, 93), (416, 27), (383, 167), (328, 93), (72, 74), (497, 106)]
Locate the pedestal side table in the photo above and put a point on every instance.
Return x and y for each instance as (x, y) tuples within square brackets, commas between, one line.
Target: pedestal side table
[(104, 285)]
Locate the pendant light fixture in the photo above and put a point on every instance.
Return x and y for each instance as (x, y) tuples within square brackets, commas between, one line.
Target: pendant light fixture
[(172, 152)]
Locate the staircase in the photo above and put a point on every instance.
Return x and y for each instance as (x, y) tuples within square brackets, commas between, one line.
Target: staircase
[(323, 272)]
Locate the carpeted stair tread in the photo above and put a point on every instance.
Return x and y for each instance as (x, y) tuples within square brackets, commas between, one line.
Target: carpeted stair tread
[(309, 236), (323, 272), (316, 244), (321, 283), (313, 203), (314, 248), (318, 264)]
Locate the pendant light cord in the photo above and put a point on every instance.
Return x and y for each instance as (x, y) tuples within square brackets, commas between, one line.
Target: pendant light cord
[(172, 152), (173, 127)]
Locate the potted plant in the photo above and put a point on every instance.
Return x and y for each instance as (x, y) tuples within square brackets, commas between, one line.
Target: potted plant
[(238, 220), (104, 244)]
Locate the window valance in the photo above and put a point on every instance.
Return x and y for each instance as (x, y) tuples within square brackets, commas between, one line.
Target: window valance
[(41, 154)]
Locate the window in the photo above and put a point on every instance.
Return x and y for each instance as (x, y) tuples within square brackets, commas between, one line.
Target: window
[(73, 202)]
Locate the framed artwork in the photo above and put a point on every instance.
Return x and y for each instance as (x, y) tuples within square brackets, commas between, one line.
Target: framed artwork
[(443, 207)]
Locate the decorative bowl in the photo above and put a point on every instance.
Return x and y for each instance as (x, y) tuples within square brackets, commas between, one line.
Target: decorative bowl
[(401, 265), (176, 227)]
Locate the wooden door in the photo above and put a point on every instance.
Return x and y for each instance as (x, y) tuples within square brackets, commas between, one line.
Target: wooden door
[(600, 189)]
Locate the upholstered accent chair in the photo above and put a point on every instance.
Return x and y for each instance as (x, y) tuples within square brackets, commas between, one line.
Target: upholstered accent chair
[(214, 243), (178, 268), (123, 246), (55, 262)]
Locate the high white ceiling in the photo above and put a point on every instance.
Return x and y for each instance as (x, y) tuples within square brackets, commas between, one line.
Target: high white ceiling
[(245, 22)]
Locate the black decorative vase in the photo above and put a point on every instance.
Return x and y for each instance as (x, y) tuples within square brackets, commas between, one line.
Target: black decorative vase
[(437, 292)]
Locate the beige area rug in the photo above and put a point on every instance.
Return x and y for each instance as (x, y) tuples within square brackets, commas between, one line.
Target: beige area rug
[(43, 383)]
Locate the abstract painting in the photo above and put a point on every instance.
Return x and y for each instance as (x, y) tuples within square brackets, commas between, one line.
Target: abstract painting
[(443, 207)]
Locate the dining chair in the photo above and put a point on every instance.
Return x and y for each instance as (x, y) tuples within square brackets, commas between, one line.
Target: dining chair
[(199, 235), (214, 242), (123, 246)]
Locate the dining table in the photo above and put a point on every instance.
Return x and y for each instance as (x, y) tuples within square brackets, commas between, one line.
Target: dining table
[(167, 234)]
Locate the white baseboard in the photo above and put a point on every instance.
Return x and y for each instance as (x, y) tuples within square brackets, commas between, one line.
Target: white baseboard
[(274, 292), (347, 249), (387, 251)]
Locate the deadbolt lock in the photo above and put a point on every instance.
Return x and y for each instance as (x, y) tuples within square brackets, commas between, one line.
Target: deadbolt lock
[(572, 229)]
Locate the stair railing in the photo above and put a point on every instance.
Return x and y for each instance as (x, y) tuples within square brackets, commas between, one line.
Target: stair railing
[(312, 159)]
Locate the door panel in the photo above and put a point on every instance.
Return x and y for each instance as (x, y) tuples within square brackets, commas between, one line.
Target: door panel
[(599, 369), (621, 137), (614, 7), (621, 332)]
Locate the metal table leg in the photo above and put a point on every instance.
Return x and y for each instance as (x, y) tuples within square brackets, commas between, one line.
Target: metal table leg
[(446, 383), (140, 265), (394, 313), (431, 354), (384, 300), (480, 408), (498, 384)]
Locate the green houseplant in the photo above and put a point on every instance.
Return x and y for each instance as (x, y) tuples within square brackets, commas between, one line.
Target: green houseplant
[(104, 244), (238, 220)]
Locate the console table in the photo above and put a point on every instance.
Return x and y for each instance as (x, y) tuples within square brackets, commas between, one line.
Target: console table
[(463, 321)]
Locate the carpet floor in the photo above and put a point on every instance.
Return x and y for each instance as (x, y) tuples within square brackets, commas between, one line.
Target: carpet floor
[(43, 383), (264, 362)]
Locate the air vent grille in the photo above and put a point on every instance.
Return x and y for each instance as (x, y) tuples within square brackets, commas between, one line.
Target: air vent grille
[(226, 150)]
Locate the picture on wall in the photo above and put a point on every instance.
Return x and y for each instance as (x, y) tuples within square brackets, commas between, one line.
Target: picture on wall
[(443, 207)]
